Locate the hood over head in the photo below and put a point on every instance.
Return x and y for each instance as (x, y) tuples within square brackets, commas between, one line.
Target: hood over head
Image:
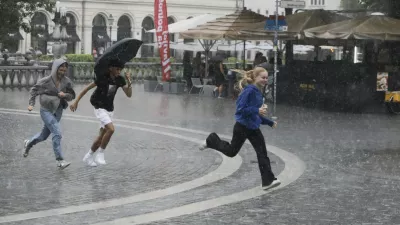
[(56, 64)]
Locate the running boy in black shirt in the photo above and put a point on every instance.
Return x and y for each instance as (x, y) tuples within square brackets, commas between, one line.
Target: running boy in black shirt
[(102, 100)]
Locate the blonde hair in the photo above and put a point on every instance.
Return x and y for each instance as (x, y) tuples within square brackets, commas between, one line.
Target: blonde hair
[(250, 76)]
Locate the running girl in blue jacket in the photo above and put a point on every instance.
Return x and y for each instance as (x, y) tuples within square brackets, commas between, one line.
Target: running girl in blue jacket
[(250, 114)]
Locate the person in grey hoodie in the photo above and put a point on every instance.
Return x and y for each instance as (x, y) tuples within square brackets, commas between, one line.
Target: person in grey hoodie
[(55, 91)]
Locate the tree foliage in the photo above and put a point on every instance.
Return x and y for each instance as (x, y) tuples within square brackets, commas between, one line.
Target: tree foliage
[(390, 7), (14, 12), (351, 4)]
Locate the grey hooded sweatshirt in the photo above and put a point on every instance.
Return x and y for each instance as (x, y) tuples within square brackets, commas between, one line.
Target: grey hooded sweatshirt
[(46, 88)]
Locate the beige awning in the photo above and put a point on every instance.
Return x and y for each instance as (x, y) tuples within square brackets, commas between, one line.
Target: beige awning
[(184, 25), (376, 27), (297, 23), (226, 27)]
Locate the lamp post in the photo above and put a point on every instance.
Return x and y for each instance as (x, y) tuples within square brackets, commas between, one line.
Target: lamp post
[(275, 55), (110, 22)]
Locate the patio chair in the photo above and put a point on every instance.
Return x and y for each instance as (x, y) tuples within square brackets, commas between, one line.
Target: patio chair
[(196, 82)]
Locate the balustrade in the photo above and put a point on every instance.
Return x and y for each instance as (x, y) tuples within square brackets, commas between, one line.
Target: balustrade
[(80, 72)]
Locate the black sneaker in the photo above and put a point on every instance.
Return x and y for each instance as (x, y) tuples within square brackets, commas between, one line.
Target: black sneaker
[(273, 184), (26, 148)]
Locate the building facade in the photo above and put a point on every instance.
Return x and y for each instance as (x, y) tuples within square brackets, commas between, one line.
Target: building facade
[(90, 28), (323, 4), (268, 7)]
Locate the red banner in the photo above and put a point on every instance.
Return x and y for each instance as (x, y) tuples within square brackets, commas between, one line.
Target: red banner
[(162, 34)]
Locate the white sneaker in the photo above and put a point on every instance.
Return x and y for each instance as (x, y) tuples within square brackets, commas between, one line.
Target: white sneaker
[(62, 164), (26, 148), (99, 159), (89, 159), (274, 183), (203, 146)]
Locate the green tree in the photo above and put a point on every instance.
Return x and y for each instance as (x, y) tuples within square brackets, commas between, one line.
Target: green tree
[(351, 4), (13, 13), (390, 7)]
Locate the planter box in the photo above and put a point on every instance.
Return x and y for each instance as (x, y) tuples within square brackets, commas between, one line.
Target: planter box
[(166, 87), (150, 85), (176, 88)]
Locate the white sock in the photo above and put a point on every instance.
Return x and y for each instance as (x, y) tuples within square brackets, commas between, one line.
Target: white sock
[(91, 152), (102, 150)]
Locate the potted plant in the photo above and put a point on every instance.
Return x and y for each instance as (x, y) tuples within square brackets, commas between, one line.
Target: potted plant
[(167, 86), (150, 83), (177, 86)]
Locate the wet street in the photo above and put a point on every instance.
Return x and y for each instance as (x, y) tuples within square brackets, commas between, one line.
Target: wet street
[(335, 168)]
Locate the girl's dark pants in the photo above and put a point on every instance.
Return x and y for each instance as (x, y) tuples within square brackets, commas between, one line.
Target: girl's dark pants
[(240, 134)]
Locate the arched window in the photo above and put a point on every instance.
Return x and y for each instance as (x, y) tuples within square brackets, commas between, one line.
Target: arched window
[(40, 32), (124, 28), (100, 37), (147, 24), (188, 40), (172, 36), (71, 31)]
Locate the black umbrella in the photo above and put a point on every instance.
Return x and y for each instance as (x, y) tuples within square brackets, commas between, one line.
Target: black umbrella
[(123, 51)]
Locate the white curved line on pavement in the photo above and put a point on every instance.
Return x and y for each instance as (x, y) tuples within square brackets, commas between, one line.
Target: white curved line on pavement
[(294, 168), (227, 168), (116, 120)]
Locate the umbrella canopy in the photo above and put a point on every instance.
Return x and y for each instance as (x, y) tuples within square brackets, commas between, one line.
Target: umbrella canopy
[(297, 23), (378, 27), (185, 25), (226, 27), (123, 51), (236, 47), (192, 46)]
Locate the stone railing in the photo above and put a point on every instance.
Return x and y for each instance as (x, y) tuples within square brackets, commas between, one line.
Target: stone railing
[(21, 76), (83, 72), (14, 76)]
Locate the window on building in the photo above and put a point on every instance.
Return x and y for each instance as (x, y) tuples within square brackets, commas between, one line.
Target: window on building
[(323, 2), (266, 12), (258, 11), (312, 2), (319, 2)]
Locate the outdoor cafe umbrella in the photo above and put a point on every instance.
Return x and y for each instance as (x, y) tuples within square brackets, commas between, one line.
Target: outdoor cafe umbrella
[(184, 25), (378, 27), (123, 51), (236, 46), (223, 28), (296, 23), (192, 46), (226, 27)]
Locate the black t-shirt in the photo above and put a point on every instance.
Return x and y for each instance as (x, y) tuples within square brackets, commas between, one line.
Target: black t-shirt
[(103, 96)]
